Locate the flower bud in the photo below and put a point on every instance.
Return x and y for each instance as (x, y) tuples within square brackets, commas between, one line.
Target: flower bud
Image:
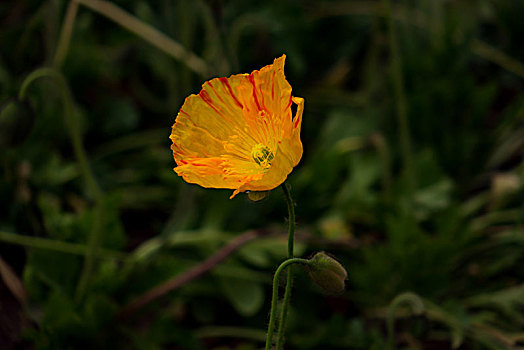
[(256, 196), (16, 122), (327, 273)]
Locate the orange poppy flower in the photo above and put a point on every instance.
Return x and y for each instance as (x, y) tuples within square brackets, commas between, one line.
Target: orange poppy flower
[(239, 132)]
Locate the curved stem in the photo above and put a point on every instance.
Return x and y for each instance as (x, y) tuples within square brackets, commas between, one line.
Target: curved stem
[(81, 156), (290, 252), (70, 121), (416, 304), (273, 312)]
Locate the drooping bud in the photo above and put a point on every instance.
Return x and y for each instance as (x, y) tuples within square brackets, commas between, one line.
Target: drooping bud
[(16, 122), (327, 273), (256, 196)]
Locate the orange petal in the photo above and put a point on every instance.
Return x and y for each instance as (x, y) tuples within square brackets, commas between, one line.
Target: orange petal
[(217, 172), (217, 130)]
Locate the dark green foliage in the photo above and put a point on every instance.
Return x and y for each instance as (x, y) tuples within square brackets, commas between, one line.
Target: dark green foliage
[(451, 232)]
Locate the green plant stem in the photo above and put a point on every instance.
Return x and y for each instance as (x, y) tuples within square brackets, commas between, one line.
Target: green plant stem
[(188, 275), (231, 332), (498, 57), (291, 228), (93, 244), (380, 143), (136, 26), (290, 254), (81, 156), (400, 97), (418, 19), (70, 121), (66, 34), (58, 246), (410, 298), (274, 298)]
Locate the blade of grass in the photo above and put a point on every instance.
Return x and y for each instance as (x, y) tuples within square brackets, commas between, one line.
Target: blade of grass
[(65, 34), (134, 25), (81, 156), (58, 246), (416, 18), (189, 275), (400, 97)]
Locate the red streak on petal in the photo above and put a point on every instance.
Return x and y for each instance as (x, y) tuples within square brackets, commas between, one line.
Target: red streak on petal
[(252, 80), (273, 87), (289, 104), (226, 83), (217, 94), (205, 97)]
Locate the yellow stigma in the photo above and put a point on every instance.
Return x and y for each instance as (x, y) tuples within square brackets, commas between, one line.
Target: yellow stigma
[(262, 155)]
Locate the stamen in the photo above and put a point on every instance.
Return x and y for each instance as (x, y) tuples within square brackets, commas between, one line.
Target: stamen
[(262, 155)]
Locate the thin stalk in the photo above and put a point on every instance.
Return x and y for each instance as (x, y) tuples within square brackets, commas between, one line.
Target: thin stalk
[(57, 246), (81, 156), (274, 298), (231, 332), (149, 34), (420, 20), (498, 57), (290, 254), (188, 275), (400, 97), (291, 228), (70, 121), (13, 282), (417, 306), (93, 245), (65, 34), (380, 143)]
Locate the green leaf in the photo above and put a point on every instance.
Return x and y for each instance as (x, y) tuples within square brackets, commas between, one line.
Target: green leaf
[(246, 297)]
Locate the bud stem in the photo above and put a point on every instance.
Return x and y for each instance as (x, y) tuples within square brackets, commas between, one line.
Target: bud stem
[(416, 304), (273, 312), (290, 254)]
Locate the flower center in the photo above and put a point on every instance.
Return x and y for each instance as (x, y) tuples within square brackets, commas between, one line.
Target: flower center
[(262, 155)]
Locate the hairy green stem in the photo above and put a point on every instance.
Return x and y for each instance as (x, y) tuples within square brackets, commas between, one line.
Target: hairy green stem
[(290, 254), (274, 298), (291, 228)]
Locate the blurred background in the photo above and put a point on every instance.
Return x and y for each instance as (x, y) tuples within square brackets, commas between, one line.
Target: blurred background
[(412, 174)]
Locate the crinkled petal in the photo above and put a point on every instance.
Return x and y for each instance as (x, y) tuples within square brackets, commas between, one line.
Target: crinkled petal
[(287, 156), (217, 172), (211, 124), (217, 131)]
